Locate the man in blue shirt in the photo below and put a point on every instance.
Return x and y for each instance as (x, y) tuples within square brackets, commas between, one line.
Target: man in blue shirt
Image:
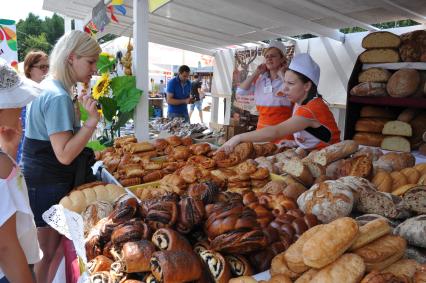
[(178, 90)]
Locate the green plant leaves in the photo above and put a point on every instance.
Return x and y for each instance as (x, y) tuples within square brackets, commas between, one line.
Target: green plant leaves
[(109, 107), (123, 117), (125, 92), (105, 63), (83, 113)]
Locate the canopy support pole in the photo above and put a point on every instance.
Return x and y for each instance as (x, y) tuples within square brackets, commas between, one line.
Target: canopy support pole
[(140, 66)]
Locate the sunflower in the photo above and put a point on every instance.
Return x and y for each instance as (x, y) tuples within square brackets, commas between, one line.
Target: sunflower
[(101, 87)]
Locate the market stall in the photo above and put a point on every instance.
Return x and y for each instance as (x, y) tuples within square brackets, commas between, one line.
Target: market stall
[(345, 213)]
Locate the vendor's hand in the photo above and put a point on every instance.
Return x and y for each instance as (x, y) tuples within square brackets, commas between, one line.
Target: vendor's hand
[(261, 69), (229, 146), (90, 105)]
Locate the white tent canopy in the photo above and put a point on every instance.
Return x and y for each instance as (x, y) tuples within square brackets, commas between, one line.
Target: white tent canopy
[(205, 26), (216, 27)]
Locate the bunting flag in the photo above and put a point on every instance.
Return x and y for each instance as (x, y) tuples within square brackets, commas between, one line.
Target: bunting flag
[(91, 29), (116, 5), (8, 42)]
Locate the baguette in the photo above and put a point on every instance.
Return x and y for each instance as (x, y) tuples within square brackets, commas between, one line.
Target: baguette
[(335, 151)]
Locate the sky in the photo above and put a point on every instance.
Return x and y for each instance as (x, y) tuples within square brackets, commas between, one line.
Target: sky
[(19, 9)]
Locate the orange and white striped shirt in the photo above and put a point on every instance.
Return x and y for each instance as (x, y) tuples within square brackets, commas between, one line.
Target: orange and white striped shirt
[(317, 110)]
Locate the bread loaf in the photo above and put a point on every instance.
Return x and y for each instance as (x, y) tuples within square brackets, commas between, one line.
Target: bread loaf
[(376, 75), (405, 268), (379, 55), (335, 151), (330, 242), (370, 139), (418, 125), (383, 181), (381, 39), (397, 128), (384, 204), (371, 125), (413, 47), (370, 232), (398, 180), (412, 175), (373, 153), (369, 89), (298, 170), (404, 188), (382, 252), (327, 201), (369, 111), (396, 143), (394, 161), (415, 199), (349, 268), (403, 83), (407, 115), (413, 230)]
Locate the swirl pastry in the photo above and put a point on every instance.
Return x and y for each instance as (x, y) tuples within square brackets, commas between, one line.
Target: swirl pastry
[(260, 174), (187, 140), (99, 263), (247, 167), (93, 247), (100, 277), (161, 212), (191, 213), (126, 233), (200, 148), (203, 161), (180, 153), (175, 266), (239, 241), (217, 265), (244, 150), (117, 271), (262, 259), (136, 256), (124, 211), (223, 160), (201, 246), (205, 191), (170, 240), (174, 140), (190, 173), (239, 265)]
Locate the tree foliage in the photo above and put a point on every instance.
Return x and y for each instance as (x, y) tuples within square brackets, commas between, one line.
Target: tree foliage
[(36, 33)]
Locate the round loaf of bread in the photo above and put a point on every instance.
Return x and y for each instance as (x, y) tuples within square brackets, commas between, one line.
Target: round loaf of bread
[(403, 83)]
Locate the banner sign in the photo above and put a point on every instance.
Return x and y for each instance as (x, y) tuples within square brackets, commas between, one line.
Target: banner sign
[(99, 15), (8, 44)]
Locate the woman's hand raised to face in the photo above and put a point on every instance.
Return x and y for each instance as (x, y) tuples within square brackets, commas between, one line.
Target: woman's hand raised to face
[(261, 69), (90, 105)]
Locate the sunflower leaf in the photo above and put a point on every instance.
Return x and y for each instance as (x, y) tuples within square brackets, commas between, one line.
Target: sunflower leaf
[(125, 92), (109, 107), (83, 113), (123, 117), (105, 63)]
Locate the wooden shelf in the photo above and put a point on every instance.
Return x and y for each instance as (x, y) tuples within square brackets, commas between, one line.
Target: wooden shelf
[(397, 66), (413, 102)]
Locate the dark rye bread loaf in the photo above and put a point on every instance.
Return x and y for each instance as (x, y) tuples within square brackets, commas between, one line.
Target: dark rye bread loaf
[(413, 230), (415, 199)]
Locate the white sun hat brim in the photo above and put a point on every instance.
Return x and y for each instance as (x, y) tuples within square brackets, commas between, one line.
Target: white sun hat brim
[(16, 91)]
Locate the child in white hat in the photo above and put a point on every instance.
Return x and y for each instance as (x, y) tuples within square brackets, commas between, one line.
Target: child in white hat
[(18, 234), (312, 124)]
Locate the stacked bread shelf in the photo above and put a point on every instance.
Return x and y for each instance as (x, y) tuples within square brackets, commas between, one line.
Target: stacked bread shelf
[(396, 104)]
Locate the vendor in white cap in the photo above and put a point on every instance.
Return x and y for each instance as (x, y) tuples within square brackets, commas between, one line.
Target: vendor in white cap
[(19, 245), (312, 123), (265, 82)]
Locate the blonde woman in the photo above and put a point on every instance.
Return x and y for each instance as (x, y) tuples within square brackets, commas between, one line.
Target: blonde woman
[(54, 137)]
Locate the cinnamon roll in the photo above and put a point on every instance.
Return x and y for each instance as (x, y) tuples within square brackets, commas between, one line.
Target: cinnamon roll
[(217, 266), (170, 240), (100, 277), (98, 264), (176, 266), (117, 271), (136, 256), (239, 265), (206, 191)]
